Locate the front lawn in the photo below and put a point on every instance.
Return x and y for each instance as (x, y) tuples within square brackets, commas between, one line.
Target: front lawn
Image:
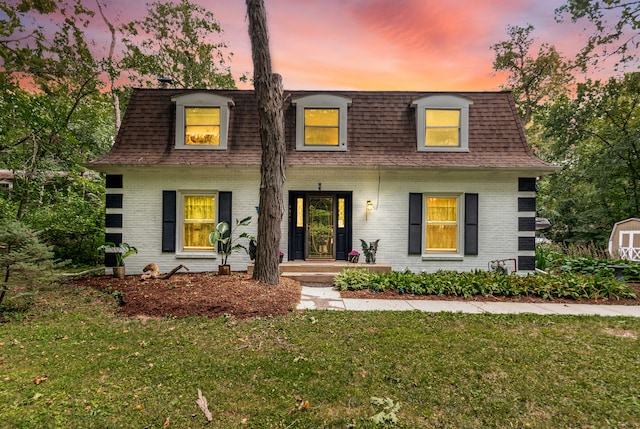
[(69, 361)]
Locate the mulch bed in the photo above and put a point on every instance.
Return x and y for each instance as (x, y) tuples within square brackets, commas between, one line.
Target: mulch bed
[(199, 294), (238, 295)]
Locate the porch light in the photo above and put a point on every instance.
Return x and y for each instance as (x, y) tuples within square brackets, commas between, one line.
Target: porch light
[(369, 208)]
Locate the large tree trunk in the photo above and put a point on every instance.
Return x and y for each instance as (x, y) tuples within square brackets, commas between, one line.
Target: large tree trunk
[(269, 94), (114, 96)]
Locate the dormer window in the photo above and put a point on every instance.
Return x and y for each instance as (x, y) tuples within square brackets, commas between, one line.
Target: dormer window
[(202, 121), (321, 122), (442, 123), (321, 127), (202, 126)]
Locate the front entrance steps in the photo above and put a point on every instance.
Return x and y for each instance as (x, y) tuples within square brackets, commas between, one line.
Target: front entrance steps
[(321, 271)]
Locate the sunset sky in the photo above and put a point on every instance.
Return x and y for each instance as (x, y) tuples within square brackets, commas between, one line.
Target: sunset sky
[(381, 44), (390, 44)]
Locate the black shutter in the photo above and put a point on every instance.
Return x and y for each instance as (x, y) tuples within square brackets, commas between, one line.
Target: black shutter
[(168, 221), (113, 181), (527, 184), (224, 211), (110, 258), (526, 224), (526, 204), (415, 224), (470, 224), (113, 220), (113, 201)]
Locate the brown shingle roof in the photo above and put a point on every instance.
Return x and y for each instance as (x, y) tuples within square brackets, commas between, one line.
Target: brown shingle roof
[(381, 131)]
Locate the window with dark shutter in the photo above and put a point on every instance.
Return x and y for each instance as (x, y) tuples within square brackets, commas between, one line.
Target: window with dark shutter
[(224, 212), (168, 221), (415, 224), (470, 224)]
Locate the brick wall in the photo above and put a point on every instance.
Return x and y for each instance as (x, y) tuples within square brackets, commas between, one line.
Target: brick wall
[(499, 236)]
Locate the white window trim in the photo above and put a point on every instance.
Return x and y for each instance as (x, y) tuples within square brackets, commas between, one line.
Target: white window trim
[(193, 254), (445, 256), (442, 102), (201, 99), (322, 101)]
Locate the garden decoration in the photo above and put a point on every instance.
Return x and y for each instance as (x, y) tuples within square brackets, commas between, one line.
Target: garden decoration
[(369, 251), (153, 272)]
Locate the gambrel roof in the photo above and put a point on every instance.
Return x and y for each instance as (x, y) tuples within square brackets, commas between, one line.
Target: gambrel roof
[(381, 131)]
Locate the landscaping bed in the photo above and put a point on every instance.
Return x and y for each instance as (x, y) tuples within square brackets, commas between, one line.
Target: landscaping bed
[(198, 294), (238, 295), (394, 294), (599, 288)]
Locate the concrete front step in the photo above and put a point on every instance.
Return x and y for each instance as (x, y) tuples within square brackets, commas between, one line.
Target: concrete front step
[(325, 278), (321, 271)]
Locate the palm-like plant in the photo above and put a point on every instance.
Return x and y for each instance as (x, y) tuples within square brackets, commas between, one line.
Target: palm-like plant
[(224, 235), (121, 251)]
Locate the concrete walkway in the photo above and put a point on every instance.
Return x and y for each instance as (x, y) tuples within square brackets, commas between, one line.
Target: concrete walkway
[(327, 298)]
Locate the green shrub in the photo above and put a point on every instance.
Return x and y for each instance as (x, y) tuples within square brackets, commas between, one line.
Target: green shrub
[(23, 258), (601, 285), (353, 279), (632, 272)]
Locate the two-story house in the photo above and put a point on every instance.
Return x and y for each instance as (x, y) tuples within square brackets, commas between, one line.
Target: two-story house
[(444, 180)]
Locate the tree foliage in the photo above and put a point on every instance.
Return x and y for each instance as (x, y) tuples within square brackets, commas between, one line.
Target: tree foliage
[(56, 124), (617, 27), (532, 76), (22, 257), (59, 91), (177, 43), (595, 136)]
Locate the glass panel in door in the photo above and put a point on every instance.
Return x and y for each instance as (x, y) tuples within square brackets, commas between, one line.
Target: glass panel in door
[(320, 228)]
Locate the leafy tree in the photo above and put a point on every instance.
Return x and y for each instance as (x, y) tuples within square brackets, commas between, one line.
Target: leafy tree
[(55, 125), (594, 135), (177, 43), (55, 116), (71, 218), (617, 27), (532, 77)]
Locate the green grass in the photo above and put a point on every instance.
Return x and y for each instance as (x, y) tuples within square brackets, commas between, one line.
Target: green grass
[(445, 370)]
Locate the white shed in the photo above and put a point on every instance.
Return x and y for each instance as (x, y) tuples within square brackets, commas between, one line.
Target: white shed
[(624, 242)]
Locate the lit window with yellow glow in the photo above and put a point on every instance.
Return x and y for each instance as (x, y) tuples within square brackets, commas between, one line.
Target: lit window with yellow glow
[(442, 127), (321, 122), (442, 123), (321, 127), (300, 212), (202, 126), (202, 121), (441, 232), (198, 222)]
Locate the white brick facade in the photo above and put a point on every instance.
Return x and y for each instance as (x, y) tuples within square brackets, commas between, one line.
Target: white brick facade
[(388, 188)]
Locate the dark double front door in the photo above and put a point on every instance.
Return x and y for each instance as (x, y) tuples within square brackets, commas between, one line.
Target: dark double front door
[(319, 225)]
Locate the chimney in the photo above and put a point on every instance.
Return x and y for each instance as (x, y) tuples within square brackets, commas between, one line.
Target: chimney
[(165, 82)]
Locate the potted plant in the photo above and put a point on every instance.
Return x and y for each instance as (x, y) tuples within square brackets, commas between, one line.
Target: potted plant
[(353, 256), (121, 252), (281, 256), (224, 235)]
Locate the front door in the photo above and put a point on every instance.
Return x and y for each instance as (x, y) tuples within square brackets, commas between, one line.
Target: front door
[(320, 238), (319, 225)]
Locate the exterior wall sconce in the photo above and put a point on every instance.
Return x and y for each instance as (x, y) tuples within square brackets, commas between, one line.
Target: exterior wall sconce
[(369, 208)]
